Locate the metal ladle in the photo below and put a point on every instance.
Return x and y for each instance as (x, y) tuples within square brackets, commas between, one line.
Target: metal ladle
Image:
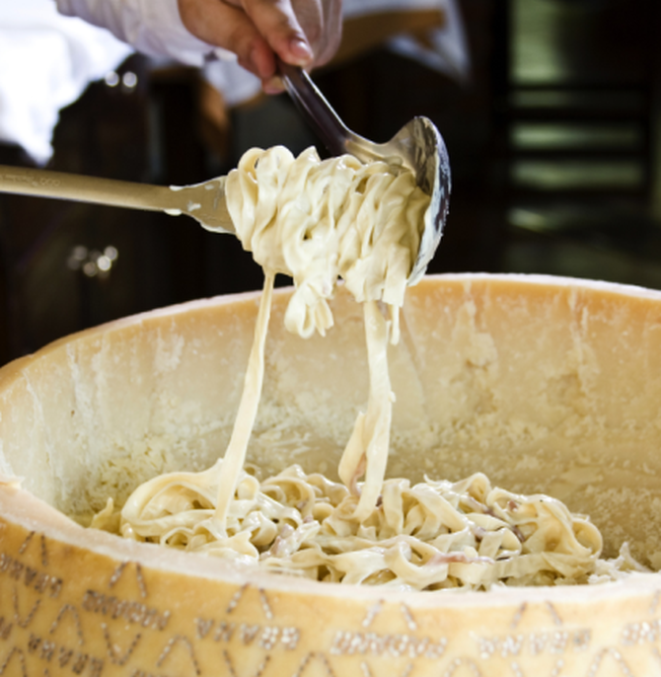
[(417, 146)]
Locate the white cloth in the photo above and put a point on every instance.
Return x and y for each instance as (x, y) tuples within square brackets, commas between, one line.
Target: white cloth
[(46, 61), (152, 27)]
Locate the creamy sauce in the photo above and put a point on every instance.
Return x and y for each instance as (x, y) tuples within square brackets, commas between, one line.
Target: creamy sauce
[(318, 222)]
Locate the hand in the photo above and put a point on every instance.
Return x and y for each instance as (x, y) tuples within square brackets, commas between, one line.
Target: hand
[(301, 32)]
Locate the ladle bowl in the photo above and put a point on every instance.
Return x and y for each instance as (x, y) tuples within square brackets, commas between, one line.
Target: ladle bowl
[(418, 146)]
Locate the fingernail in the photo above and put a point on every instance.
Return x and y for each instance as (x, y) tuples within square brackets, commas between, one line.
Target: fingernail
[(301, 51), (273, 86)]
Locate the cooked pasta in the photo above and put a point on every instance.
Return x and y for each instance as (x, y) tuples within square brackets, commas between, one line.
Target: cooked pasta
[(318, 222)]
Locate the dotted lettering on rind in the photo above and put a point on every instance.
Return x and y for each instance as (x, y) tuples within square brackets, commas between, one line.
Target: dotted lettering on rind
[(236, 598), (407, 670), (517, 616), (25, 621), (644, 632), (534, 644), (557, 669), (616, 656), (96, 667), (26, 542), (5, 628), (248, 632), (113, 649), (372, 612), (64, 656), (408, 618), (44, 552), (554, 614), (289, 638), (116, 575), (33, 643), (511, 646), (44, 548), (20, 658), (16, 569), (129, 610), (69, 609), (266, 606), (268, 636), (39, 581), (140, 580), (224, 632), (458, 663), (326, 662), (230, 664), (44, 649), (203, 627), (308, 659), (47, 650), (347, 643), (167, 650), (303, 665), (76, 662), (581, 639), (79, 663), (516, 670)]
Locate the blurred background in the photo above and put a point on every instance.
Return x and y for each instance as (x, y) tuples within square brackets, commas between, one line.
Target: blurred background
[(549, 108)]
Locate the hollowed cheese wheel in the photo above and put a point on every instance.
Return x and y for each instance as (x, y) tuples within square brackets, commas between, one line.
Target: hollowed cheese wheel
[(545, 384)]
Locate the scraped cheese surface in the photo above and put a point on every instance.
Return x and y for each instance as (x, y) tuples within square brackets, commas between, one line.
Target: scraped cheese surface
[(319, 222)]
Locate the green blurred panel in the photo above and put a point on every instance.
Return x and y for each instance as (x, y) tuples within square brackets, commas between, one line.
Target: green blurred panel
[(576, 174), (598, 41), (597, 101), (570, 136)]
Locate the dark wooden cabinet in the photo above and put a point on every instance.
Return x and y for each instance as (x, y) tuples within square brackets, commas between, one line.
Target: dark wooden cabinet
[(50, 283)]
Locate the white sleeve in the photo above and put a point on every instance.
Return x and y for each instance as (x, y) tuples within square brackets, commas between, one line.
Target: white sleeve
[(153, 27)]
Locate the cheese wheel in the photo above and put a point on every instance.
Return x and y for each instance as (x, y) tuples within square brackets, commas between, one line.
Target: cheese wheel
[(545, 384)]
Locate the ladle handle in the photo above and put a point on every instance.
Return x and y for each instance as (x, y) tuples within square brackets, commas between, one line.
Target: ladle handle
[(63, 186), (314, 107)]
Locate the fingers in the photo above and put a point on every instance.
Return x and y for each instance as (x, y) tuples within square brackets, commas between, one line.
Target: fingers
[(279, 24), (218, 23), (301, 32)]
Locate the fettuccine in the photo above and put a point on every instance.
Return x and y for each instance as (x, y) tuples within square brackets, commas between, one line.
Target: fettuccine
[(318, 222)]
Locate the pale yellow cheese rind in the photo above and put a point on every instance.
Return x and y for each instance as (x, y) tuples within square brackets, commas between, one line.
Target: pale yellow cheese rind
[(544, 384)]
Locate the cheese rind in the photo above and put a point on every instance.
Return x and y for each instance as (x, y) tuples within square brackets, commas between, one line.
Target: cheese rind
[(545, 384)]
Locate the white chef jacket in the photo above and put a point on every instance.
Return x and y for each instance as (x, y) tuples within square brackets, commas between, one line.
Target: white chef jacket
[(155, 28), (48, 59)]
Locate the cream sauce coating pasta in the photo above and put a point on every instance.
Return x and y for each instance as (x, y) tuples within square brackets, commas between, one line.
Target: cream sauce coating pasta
[(318, 222), (429, 536)]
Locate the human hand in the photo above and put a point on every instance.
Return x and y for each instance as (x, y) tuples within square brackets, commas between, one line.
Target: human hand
[(301, 32)]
